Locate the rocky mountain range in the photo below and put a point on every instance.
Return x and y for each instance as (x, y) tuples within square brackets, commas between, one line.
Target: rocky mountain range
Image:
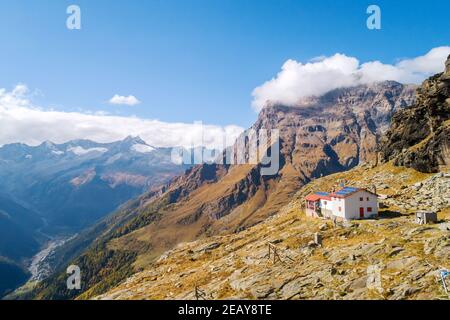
[(58, 181), (53, 190), (319, 136), (340, 136), (390, 257)]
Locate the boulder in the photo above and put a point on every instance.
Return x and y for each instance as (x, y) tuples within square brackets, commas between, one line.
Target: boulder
[(395, 251), (402, 263), (261, 291), (209, 247), (444, 226), (359, 283)]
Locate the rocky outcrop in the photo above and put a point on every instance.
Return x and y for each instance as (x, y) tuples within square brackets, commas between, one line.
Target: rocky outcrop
[(432, 194), (419, 135)]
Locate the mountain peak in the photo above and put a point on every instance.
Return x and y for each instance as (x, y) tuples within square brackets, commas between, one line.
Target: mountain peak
[(377, 101), (354, 95), (48, 144), (134, 139)]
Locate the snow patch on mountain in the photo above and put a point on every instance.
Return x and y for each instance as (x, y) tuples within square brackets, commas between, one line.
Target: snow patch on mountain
[(142, 148), (79, 151)]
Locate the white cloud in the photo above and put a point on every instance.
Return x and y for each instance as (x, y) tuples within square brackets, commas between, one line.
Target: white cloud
[(21, 121), (322, 74), (124, 100)]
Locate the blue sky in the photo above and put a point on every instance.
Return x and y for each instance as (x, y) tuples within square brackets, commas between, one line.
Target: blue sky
[(191, 60)]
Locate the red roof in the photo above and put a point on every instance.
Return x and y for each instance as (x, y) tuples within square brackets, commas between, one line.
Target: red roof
[(312, 197), (317, 197)]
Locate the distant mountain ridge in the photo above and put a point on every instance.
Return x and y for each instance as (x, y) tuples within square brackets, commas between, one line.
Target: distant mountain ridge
[(53, 190), (75, 183)]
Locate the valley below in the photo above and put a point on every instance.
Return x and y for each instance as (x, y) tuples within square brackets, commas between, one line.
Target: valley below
[(40, 266)]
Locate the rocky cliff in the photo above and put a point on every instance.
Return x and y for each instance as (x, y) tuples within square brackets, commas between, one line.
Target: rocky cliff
[(338, 130), (419, 135)]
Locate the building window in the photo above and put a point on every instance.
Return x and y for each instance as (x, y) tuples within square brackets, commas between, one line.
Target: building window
[(369, 209), (361, 199), (325, 202), (367, 198), (340, 209)]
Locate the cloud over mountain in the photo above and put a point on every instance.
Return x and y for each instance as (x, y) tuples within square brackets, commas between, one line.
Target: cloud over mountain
[(21, 121), (297, 80)]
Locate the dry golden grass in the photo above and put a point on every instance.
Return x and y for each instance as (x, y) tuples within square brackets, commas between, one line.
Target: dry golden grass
[(444, 214), (212, 270)]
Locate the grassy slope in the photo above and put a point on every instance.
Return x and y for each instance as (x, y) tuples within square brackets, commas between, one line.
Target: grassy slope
[(242, 256), (152, 227)]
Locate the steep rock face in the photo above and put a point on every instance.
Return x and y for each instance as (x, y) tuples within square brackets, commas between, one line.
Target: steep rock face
[(419, 135), (336, 131)]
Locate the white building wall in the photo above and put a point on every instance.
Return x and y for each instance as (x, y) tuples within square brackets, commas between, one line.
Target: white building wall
[(373, 203), (326, 204), (334, 206), (326, 207), (353, 205)]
